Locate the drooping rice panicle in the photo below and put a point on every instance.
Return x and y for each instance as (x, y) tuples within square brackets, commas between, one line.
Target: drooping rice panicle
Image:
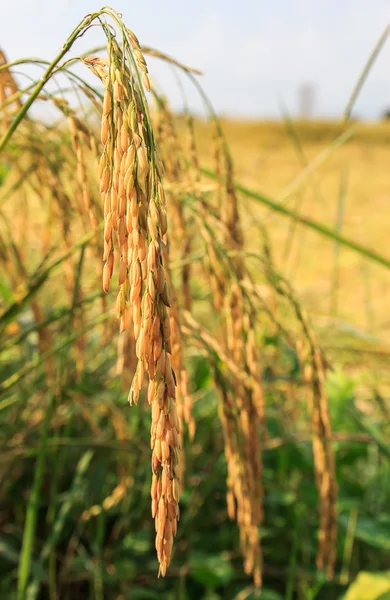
[(135, 229)]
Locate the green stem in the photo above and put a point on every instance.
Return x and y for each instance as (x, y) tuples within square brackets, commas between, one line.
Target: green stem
[(318, 227), (42, 82), (13, 379), (38, 279), (32, 510), (292, 568), (52, 317), (364, 74), (348, 546)]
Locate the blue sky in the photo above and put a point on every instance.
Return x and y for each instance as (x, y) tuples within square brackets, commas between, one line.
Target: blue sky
[(255, 54)]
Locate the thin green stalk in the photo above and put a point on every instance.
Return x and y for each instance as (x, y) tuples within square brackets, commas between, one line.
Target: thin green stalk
[(292, 226), (58, 466), (304, 162), (371, 59), (32, 509), (368, 304), (16, 95), (317, 161), (339, 224), (22, 61), (8, 402), (9, 383), (373, 431), (24, 175), (52, 317), (318, 227), (99, 567), (45, 78), (76, 290), (57, 526), (33, 504), (292, 569), (127, 446), (38, 280), (348, 546)]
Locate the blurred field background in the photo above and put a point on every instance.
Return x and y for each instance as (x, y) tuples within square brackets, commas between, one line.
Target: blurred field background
[(347, 192), (75, 457)]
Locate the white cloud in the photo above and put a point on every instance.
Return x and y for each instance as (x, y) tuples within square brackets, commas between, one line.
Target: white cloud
[(251, 52)]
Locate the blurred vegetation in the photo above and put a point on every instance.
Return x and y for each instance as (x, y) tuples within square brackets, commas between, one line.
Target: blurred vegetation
[(95, 449)]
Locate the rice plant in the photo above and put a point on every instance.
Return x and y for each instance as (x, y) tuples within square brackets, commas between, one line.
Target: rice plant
[(114, 191)]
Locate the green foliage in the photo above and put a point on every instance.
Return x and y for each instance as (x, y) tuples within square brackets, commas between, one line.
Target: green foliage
[(113, 551), (370, 586)]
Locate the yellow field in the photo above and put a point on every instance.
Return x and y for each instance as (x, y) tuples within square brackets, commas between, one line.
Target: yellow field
[(352, 180)]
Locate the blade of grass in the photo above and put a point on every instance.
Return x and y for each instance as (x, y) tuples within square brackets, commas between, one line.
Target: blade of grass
[(348, 546), (59, 464), (33, 504), (18, 183), (307, 172), (339, 224), (98, 573), (296, 143), (83, 26), (53, 316), (314, 225), (304, 162), (37, 280), (368, 305), (32, 509), (76, 290), (59, 522), (371, 59), (374, 432), (16, 377), (292, 568)]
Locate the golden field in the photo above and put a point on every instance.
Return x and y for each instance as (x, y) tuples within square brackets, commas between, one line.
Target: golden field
[(346, 187)]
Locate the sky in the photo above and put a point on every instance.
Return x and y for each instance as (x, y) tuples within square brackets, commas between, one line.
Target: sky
[(255, 54)]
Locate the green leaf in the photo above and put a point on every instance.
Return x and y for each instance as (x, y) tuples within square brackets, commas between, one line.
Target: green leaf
[(6, 291), (269, 595), (370, 586), (374, 432), (8, 552), (4, 170), (138, 542), (374, 533), (200, 371), (211, 571), (340, 386), (138, 593)]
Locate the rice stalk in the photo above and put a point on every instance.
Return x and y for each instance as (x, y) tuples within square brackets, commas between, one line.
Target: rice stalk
[(140, 193), (135, 213)]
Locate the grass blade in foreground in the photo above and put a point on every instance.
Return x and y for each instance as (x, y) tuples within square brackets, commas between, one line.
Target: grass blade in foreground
[(32, 510), (315, 225)]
